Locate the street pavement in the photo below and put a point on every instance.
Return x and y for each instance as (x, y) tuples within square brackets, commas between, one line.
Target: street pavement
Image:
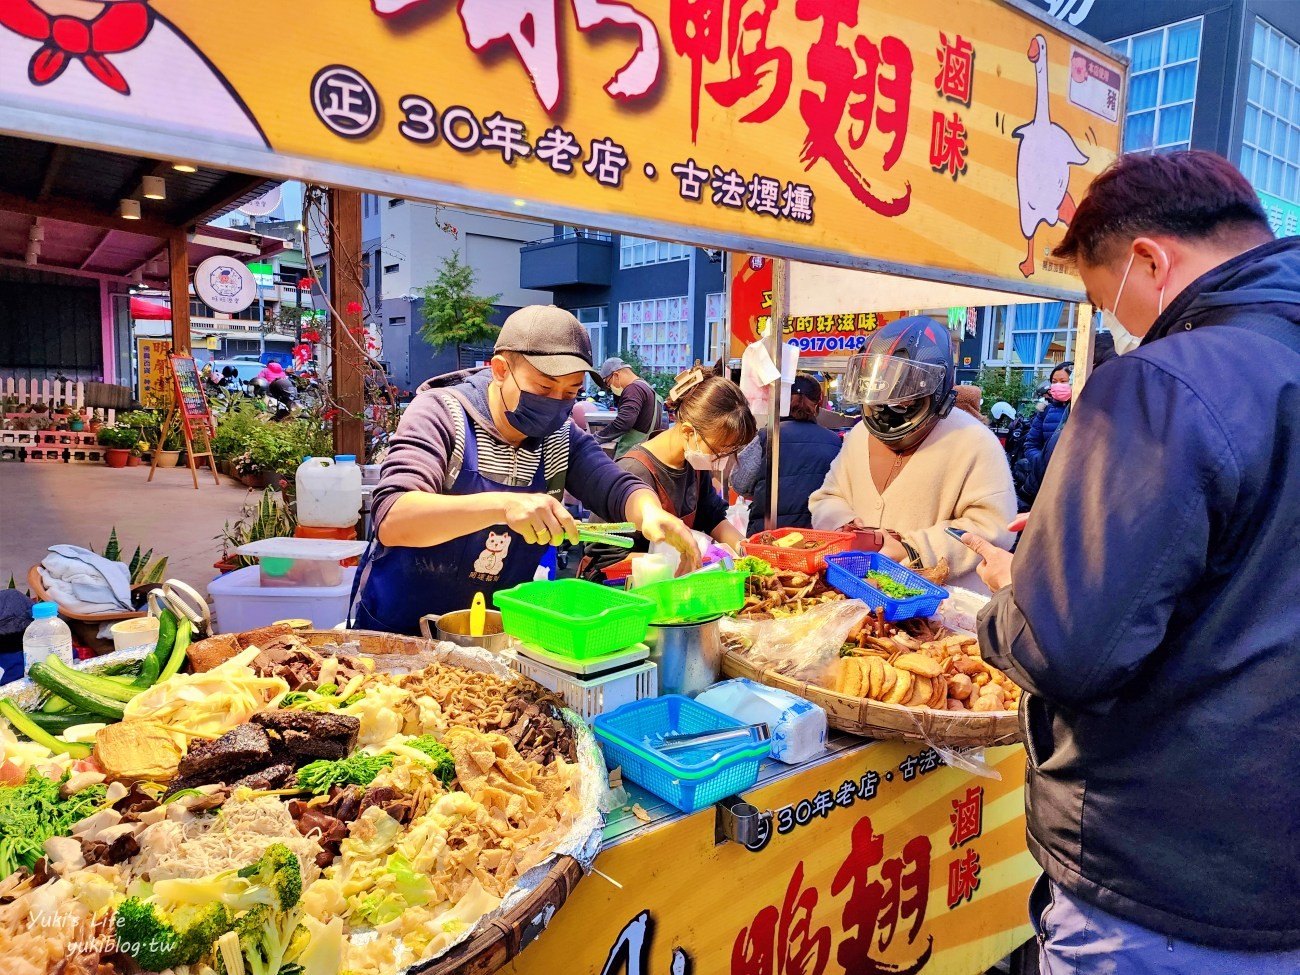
[(48, 504)]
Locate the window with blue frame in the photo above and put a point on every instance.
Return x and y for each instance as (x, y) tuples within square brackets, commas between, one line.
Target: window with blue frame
[(1162, 86), (1270, 136)]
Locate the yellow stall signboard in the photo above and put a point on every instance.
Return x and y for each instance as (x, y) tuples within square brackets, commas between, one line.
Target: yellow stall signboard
[(948, 135), (154, 379), (882, 860)]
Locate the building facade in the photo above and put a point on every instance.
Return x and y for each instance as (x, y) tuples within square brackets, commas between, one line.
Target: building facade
[(1220, 75), (665, 301)]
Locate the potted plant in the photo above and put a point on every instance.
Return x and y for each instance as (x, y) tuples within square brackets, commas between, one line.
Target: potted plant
[(169, 454), (136, 457), (268, 517), (118, 441), (76, 419)]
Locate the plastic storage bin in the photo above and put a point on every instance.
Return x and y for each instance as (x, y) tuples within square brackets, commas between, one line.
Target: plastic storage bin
[(799, 559), (690, 779), (590, 696), (314, 563), (241, 604), (845, 572), (699, 595), (574, 617)]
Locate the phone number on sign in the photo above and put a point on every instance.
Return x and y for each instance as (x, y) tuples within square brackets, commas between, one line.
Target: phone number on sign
[(829, 343)]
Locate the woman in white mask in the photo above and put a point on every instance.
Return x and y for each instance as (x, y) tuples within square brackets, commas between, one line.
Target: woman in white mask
[(714, 423)]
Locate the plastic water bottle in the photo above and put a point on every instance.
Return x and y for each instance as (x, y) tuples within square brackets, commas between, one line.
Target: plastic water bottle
[(46, 635)]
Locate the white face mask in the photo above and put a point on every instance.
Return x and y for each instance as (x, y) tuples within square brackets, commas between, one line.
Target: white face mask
[(1125, 341), (701, 460)]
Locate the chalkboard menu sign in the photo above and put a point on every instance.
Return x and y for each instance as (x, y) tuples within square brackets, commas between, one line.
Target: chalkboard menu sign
[(189, 393)]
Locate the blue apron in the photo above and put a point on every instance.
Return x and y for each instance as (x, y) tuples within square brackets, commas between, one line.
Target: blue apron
[(396, 585)]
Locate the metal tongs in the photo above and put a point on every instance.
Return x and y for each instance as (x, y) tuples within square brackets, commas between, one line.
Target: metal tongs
[(607, 533), (724, 736)]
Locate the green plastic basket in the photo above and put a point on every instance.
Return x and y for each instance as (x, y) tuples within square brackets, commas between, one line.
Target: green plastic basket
[(697, 596), (574, 617)]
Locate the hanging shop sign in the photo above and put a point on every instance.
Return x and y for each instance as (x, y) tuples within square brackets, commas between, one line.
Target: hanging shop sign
[(880, 860), (920, 137), (838, 334), (263, 205), (1283, 215), (153, 377), (225, 284)]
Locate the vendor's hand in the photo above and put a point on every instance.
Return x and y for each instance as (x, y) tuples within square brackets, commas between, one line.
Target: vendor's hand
[(893, 549), (659, 526), (995, 570), (539, 518)]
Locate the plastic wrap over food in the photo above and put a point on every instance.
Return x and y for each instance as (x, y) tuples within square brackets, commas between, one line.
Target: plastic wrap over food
[(582, 841), (803, 647)]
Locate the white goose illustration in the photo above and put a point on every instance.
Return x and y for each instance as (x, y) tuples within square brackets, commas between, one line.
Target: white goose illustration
[(1043, 163)]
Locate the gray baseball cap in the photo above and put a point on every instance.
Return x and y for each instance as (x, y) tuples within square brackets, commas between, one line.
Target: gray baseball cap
[(550, 338), (612, 365)]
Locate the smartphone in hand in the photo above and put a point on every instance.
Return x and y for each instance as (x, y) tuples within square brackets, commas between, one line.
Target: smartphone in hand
[(956, 533)]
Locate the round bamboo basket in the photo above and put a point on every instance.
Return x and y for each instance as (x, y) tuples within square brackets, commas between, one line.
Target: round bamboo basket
[(871, 719), (500, 940)]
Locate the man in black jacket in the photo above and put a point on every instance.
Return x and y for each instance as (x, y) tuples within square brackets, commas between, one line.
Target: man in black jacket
[(1152, 609), (638, 406), (807, 452)]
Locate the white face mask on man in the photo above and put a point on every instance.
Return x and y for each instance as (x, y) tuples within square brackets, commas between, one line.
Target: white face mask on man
[(1125, 341)]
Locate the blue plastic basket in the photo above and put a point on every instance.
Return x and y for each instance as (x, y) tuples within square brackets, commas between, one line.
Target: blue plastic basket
[(846, 572), (690, 779)]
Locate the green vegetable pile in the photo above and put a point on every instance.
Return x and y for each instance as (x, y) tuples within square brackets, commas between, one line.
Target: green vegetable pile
[(362, 769), (359, 769), (33, 812), (249, 918), (74, 696), (892, 589), (755, 566)]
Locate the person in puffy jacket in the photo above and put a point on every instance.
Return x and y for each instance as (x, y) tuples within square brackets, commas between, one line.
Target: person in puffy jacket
[(1150, 610), (1051, 412)]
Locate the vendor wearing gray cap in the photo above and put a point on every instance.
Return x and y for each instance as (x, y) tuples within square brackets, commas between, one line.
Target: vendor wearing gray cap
[(639, 407), (469, 496)]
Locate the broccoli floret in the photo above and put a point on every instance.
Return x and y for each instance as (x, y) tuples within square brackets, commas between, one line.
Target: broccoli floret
[(158, 939), (264, 938), (279, 871), (275, 880), (444, 765)]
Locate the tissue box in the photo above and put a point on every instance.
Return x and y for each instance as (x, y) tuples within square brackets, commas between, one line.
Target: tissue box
[(798, 726)]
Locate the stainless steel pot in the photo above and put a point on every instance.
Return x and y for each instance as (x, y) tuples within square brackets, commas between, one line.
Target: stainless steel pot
[(689, 656), (454, 628)]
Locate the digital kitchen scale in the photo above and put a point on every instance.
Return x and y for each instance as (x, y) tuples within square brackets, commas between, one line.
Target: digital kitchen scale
[(586, 668)]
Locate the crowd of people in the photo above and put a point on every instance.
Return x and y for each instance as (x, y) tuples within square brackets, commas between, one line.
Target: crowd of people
[(1149, 610)]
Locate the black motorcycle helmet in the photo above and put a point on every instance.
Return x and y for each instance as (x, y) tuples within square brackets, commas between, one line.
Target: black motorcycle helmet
[(900, 404)]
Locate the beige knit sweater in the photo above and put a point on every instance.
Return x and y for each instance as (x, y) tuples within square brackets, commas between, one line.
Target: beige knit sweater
[(958, 477)]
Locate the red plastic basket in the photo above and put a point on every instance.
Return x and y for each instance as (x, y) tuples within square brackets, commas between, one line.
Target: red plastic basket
[(800, 559)]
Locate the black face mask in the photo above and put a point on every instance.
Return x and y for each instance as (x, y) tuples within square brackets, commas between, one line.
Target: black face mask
[(537, 415)]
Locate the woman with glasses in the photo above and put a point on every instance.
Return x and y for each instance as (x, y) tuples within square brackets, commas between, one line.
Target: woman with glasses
[(714, 424)]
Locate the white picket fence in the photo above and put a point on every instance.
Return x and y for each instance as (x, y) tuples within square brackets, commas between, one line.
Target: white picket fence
[(40, 395)]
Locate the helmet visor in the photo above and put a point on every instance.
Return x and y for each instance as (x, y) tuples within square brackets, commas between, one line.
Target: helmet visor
[(880, 380)]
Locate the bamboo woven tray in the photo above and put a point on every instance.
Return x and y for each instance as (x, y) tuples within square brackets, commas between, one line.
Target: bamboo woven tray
[(871, 719), (502, 938)]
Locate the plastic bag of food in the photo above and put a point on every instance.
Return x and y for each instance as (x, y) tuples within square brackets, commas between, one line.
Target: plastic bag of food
[(798, 726), (803, 647)]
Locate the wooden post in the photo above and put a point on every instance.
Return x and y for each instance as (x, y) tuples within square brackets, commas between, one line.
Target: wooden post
[(775, 342), (348, 365), (178, 252)]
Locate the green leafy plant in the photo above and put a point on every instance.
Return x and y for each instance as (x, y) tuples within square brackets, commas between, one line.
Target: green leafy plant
[(117, 437), (175, 438), (143, 571), (147, 423), (453, 312), (267, 517), (661, 382), (1000, 384)]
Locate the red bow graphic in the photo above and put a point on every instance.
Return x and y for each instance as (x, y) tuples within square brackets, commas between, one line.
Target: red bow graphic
[(119, 28)]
